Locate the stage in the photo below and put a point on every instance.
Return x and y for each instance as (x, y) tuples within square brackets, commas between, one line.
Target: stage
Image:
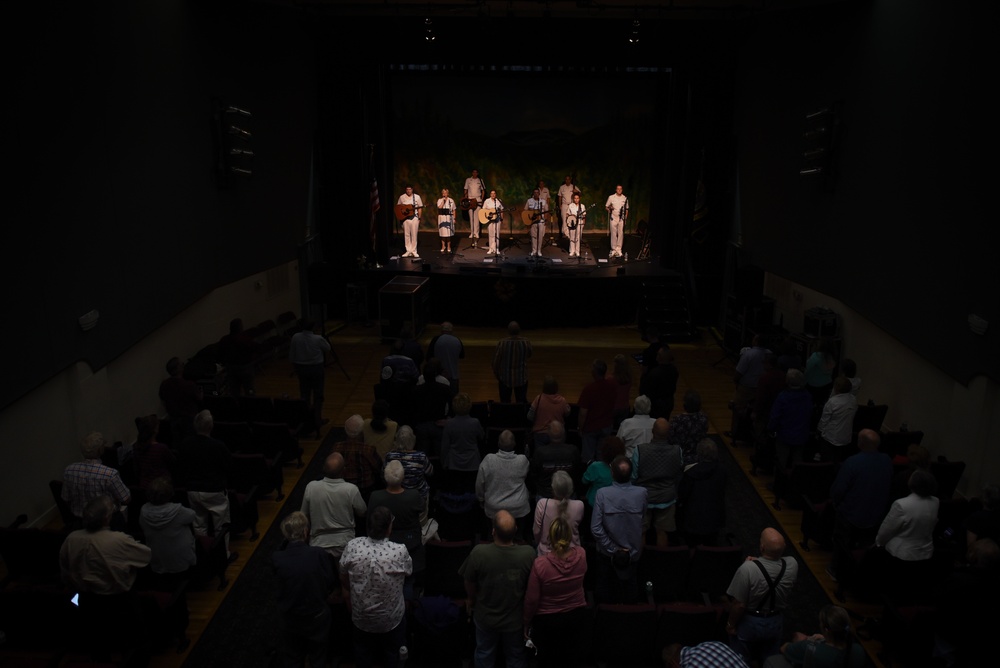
[(470, 287)]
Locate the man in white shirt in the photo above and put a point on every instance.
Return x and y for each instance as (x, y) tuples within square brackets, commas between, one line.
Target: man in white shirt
[(411, 224), (307, 353), (538, 207), (494, 208), (836, 422), (331, 504), (564, 198), (576, 216), (617, 206), (637, 429), (474, 190)]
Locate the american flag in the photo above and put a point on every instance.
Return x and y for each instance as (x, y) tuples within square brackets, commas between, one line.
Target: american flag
[(375, 206)]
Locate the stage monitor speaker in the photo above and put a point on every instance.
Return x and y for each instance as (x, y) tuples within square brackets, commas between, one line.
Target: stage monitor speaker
[(748, 285)]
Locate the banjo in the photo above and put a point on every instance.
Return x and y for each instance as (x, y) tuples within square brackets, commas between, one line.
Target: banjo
[(571, 218)]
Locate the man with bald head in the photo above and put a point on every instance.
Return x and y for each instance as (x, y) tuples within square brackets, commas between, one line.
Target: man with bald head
[(362, 463), (331, 505), (496, 577), (658, 466), (860, 495), (758, 594)]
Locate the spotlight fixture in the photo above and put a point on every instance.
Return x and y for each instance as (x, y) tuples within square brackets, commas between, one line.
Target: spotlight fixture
[(429, 30), (634, 37)]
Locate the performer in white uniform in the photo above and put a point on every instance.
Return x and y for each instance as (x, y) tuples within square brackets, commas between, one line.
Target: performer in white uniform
[(474, 189), (579, 212), (412, 223), (617, 206), (565, 198), (446, 220), (493, 229), (540, 206)]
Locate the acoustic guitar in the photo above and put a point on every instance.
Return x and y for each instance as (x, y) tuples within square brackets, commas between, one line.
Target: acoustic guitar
[(404, 211), (487, 216), (532, 216), (571, 219), (469, 203)]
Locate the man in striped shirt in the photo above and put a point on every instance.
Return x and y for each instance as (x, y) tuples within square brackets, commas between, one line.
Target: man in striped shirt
[(510, 365), (89, 479)]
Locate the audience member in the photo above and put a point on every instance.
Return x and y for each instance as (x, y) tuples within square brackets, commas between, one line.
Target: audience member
[(985, 523), (658, 467), (496, 579), (560, 503), (236, 354), (708, 654), (617, 530), (181, 399), (547, 406), (406, 508), (832, 647), (417, 466), (462, 437), (836, 422), (167, 530), (362, 464), (398, 368), (307, 353), (597, 405), (331, 505), (818, 373), (771, 383), (701, 497), (411, 347), (556, 455), (638, 428), (500, 484), (758, 595), (510, 365), (430, 403), (621, 374), (434, 371), (206, 463), (151, 458), (449, 349), (306, 579), (555, 608), (849, 370), (598, 473), (89, 479), (379, 431), (789, 357), (749, 369), (687, 429), (789, 421), (652, 337), (660, 384), (963, 634), (372, 572)]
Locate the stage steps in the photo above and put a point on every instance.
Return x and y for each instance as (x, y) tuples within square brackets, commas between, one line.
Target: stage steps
[(664, 307)]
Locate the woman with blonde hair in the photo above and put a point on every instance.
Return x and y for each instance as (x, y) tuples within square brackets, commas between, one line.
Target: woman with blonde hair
[(555, 608), (561, 505)]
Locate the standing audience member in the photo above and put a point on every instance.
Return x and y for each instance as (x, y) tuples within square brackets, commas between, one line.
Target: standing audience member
[(660, 384), (832, 647), (430, 402), (597, 406), (560, 505), (836, 422), (789, 421), (500, 484), (89, 479), (638, 428), (758, 595), (362, 464), (372, 572), (206, 463), (496, 578), (411, 347), (617, 530), (417, 466), (849, 370), (332, 505), (462, 437), (379, 431), (818, 373), (307, 353), (306, 579), (918, 458), (152, 459), (510, 365), (658, 466), (547, 459), (701, 497), (687, 429), (771, 383), (598, 473), (449, 349), (555, 608), (749, 369), (547, 406), (406, 508), (236, 354), (181, 399)]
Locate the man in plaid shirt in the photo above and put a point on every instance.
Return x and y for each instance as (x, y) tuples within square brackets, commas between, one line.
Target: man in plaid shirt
[(86, 480)]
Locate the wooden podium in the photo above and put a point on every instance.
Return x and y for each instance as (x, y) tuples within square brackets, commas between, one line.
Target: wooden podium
[(402, 301)]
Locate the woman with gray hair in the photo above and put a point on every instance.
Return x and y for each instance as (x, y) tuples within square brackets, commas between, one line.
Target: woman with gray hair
[(560, 505), (407, 508), (416, 465)]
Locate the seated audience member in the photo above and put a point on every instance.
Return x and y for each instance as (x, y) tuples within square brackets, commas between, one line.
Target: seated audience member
[(546, 407), (638, 428), (789, 421), (555, 608), (832, 647), (181, 399), (985, 523), (836, 422), (500, 484), (306, 578), (417, 465), (462, 437), (362, 465), (89, 479), (556, 455), (378, 430), (709, 654), (406, 508), (167, 530), (687, 429), (152, 459), (701, 497), (102, 565), (561, 505), (621, 374)]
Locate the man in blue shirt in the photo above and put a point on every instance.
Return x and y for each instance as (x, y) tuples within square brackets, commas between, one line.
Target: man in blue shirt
[(617, 528)]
